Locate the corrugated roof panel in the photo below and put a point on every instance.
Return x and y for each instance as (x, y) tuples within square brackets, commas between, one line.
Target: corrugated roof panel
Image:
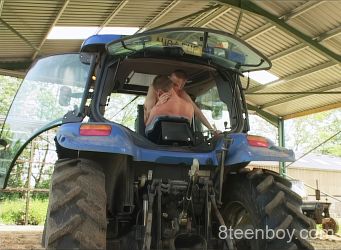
[(296, 62), (11, 46), (272, 41), (313, 80), (87, 13), (325, 77), (279, 8), (249, 22), (185, 8), (226, 22), (138, 13), (334, 44), (318, 20), (30, 19), (305, 103)]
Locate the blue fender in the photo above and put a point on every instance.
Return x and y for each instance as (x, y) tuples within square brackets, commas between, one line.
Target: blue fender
[(124, 141)]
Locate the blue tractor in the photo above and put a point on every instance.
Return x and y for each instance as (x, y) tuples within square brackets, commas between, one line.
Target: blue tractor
[(175, 185)]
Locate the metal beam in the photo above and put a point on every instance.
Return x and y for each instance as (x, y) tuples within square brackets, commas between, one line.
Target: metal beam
[(281, 143), (251, 7), (329, 34), (55, 21), (2, 2), (265, 115), (240, 17), (8, 26), (257, 32), (313, 111), (199, 18), (15, 65), (112, 15), (14, 73), (289, 51), (301, 9), (295, 97), (164, 12), (293, 76), (213, 16), (186, 17), (296, 93)]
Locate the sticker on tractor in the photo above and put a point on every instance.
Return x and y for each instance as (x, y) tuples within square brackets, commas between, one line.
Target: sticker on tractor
[(189, 48)]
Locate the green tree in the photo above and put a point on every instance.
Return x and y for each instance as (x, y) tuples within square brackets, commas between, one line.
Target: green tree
[(8, 88)]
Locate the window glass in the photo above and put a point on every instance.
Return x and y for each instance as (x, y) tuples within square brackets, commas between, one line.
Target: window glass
[(52, 87), (122, 109), (221, 48), (214, 110)]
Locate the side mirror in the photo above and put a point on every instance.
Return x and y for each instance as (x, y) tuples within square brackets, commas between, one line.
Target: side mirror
[(65, 94), (217, 111)]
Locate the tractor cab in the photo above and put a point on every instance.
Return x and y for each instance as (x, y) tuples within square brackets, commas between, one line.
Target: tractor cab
[(118, 184), (108, 80)]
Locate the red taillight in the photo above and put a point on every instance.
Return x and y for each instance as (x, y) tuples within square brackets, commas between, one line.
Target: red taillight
[(257, 141), (95, 130)]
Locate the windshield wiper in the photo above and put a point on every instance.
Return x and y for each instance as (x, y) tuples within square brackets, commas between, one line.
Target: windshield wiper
[(238, 65)]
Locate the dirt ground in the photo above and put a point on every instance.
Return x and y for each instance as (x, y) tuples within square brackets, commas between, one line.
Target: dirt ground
[(20, 237), (29, 238)]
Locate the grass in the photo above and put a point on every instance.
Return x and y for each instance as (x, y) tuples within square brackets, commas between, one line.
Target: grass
[(12, 212)]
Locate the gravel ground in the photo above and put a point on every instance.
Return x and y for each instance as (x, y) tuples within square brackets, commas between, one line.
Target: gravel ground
[(29, 238)]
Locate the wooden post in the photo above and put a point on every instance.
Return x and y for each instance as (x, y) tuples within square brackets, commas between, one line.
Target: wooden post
[(28, 192)]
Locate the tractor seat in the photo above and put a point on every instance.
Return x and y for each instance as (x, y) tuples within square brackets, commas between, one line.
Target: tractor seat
[(170, 130)]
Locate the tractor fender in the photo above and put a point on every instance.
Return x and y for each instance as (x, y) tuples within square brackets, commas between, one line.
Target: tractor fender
[(121, 141), (240, 151)]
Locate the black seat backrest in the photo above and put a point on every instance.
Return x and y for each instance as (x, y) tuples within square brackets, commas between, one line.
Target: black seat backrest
[(139, 122), (168, 130)]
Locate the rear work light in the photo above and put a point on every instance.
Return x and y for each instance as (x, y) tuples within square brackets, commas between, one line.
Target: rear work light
[(95, 130), (257, 141)]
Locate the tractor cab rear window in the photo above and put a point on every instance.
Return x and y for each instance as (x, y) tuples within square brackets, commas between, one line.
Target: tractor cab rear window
[(219, 48)]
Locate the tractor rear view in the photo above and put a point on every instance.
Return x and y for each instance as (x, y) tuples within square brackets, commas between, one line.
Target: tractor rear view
[(174, 184)]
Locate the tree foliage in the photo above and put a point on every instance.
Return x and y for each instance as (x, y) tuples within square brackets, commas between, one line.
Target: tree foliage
[(8, 88)]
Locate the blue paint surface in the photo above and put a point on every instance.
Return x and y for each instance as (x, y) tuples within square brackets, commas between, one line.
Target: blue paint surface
[(99, 40), (121, 141)]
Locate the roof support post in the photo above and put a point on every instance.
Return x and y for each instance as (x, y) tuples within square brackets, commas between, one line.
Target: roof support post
[(265, 115), (281, 143)]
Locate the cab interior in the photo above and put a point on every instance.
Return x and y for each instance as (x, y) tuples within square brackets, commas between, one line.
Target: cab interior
[(133, 76)]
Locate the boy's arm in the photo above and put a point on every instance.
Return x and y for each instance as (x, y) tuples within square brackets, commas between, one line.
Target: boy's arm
[(197, 111), (149, 102)]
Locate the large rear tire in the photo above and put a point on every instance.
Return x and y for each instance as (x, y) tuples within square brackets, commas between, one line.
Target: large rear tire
[(76, 216), (261, 199)]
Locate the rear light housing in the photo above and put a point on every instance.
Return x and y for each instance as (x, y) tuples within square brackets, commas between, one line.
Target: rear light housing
[(257, 141), (88, 129)]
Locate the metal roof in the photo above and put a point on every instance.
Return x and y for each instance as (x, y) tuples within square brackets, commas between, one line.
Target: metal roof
[(302, 38)]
